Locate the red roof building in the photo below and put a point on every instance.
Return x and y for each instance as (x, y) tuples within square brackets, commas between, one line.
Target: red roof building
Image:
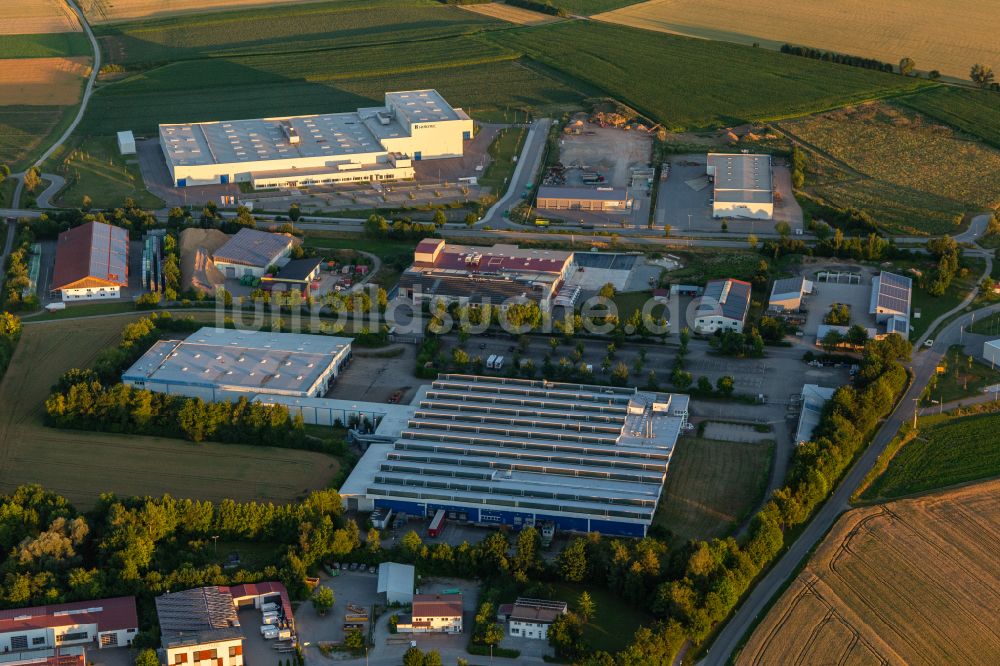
[(91, 262), (434, 613), (102, 623)]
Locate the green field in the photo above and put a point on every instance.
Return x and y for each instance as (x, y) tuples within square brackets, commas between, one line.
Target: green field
[(285, 29), (691, 83), (947, 451), (615, 620), (502, 150), (711, 486), (975, 112), (24, 129), (989, 325), (916, 176), (479, 76), (960, 378), (94, 167), (44, 45)]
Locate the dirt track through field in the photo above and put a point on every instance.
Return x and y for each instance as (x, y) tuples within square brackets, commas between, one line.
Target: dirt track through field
[(889, 30), (81, 465), (34, 17), (911, 582)]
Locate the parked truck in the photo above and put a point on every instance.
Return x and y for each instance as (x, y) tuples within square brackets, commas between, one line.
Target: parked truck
[(498, 363), (491, 360), (437, 524)]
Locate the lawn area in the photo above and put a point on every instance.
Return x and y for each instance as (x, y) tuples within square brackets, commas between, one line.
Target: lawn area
[(503, 149), (975, 112), (946, 451), (960, 378), (481, 77), (284, 29), (7, 188), (691, 83), (711, 486), (989, 325), (698, 267), (615, 620), (94, 167), (87, 310), (45, 45), (81, 465), (932, 307), (917, 177)]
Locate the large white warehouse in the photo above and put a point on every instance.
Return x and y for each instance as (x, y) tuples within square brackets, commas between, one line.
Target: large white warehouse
[(377, 143), (742, 185)]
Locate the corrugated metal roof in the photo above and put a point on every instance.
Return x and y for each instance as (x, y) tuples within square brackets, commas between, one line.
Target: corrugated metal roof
[(93, 252), (250, 247)]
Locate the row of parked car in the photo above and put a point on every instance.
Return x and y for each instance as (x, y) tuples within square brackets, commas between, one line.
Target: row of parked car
[(352, 566)]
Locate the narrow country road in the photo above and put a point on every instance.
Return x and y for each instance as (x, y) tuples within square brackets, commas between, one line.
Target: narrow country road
[(924, 365)]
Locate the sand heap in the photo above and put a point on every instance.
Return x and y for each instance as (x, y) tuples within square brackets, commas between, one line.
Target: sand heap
[(197, 269)]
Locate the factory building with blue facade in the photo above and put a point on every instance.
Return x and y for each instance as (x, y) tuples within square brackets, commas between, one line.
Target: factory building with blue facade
[(515, 452)]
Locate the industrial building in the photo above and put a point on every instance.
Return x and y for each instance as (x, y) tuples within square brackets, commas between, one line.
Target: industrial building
[(741, 185), (433, 614), (991, 352), (723, 306), (91, 262), (787, 294), (44, 634), (395, 581), (475, 275), (252, 252), (297, 274), (126, 143), (531, 618), (599, 200), (199, 625), (222, 364), (814, 398), (516, 452), (890, 302), (370, 144)]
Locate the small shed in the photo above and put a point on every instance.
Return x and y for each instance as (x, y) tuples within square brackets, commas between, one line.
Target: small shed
[(396, 582), (126, 143)]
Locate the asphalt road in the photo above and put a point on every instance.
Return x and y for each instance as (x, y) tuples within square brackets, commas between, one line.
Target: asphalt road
[(924, 365), (524, 173)]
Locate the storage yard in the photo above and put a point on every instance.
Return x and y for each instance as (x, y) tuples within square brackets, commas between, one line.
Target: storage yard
[(913, 581)]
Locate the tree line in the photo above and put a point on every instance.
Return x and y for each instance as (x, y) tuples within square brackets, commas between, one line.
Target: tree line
[(17, 279), (10, 333)]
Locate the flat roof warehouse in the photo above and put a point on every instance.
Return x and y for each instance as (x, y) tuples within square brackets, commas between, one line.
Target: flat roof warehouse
[(509, 451)]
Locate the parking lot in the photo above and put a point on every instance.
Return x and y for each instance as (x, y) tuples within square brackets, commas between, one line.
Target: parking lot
[(683, 200), (374, 378), (856, 296)]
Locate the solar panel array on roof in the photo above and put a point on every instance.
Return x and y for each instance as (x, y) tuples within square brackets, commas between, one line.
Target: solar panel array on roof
[(894, 292), (108, 252)]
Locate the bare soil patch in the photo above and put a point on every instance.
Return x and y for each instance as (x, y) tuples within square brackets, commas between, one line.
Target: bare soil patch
[(43, 81), (909, 582), (35, 17)]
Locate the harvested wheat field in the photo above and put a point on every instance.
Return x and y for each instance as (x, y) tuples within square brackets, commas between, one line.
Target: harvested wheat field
[(80, 465), (924, 30), (909, 582), (43, 81), (511, 14), (36, 17), (106, 11)]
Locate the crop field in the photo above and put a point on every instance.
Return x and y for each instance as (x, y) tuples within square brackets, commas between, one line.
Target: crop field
[(101, 11), (886, 31), (24, 128), (975, 112), (590, 7), (288, 28), (25, 17), (690, 83), (480, 77), (43, 81), (711, 485), (910, 582), (44, 46), (947, 451), (917, 175), (510, 13), (81, 465)]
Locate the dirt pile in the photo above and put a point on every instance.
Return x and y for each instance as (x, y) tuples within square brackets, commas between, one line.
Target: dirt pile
[(197, 269)]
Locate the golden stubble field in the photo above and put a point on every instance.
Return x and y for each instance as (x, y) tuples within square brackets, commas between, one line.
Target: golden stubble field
[(511, 14), (33, 17), (81, 465), (947, 36), (106, 11), (43, 81), (909, 582)]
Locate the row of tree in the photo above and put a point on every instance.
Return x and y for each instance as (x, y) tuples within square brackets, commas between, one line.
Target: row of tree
[(17, 293), (10, 333)]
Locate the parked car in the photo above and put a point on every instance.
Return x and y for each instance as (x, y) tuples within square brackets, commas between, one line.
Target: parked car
[(371, 570)]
